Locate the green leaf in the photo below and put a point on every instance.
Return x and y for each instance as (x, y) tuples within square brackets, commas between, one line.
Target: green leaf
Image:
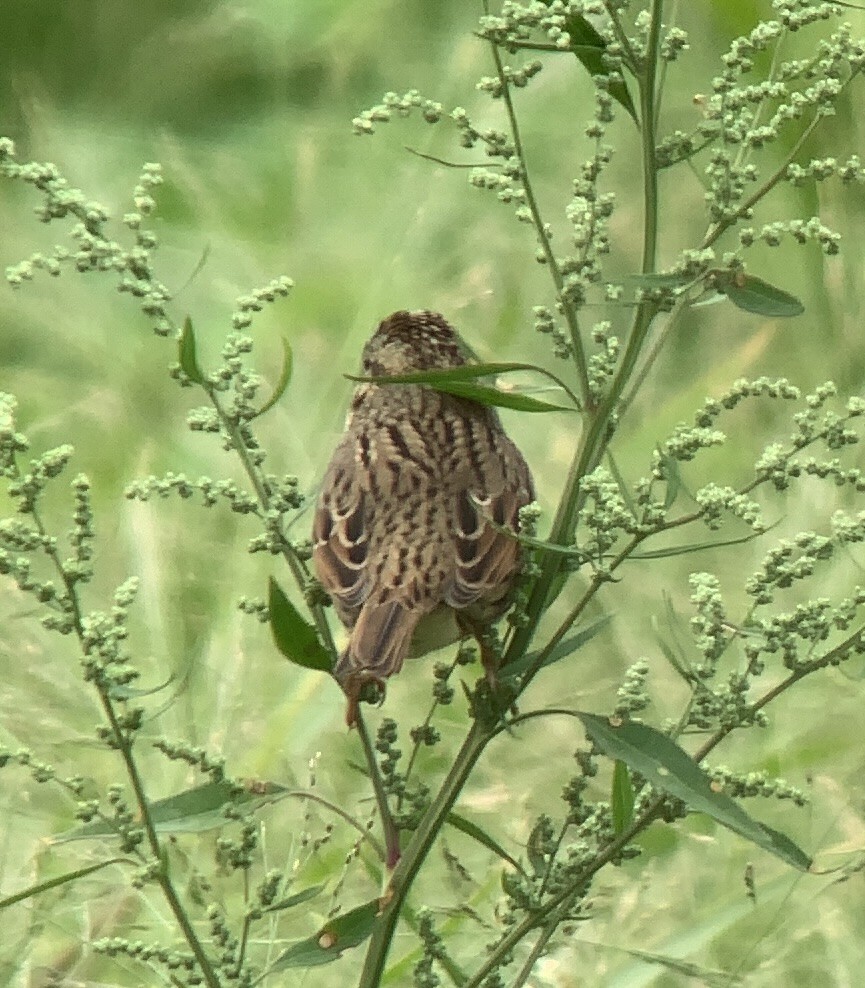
[(708, 977), (192, 811), (562, 650), (683, 550), (530, 542), (53, 883), (284, 379), (468, 372), (752, 294), (294, 637), (589, 47), (295, 900), (673, 477), (494, 398), (461, 382), (621, 483), (622, 798), (187, 353), (654, 279), (337, 935), (128, 692), (465, 372), (668, 767), (534, 846), (482, 837)]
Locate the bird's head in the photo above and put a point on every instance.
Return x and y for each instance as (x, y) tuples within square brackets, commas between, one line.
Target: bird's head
[(413, 341)]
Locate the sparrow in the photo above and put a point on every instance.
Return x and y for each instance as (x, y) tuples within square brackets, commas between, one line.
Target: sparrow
[(402, 532)]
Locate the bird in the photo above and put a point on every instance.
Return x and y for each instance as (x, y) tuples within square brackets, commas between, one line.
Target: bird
[(414, 518)]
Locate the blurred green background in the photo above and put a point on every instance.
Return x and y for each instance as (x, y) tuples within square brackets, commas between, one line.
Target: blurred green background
[(248, 107)]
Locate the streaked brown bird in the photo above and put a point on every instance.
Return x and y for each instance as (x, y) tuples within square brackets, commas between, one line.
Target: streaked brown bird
[(401, 533)]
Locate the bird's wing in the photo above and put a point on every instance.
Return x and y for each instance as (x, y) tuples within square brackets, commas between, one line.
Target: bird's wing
[(366, 551), (340, 533), (486, 558)]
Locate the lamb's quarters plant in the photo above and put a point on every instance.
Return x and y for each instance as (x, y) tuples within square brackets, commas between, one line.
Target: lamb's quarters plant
[(197, 898)]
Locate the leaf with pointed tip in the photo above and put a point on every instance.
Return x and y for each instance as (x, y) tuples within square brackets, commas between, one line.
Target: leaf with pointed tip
[(284, 379), (482, 837), (459, 381), (294, 637), (752, 294), (492, 397), (53, 883), (589, 47), (530, 542), (684, 550), (654, 279), (337, 935), (671, 769), (189, 812), (129, 692), (294, 900), (560, 651), (187, 355), (622, 798), (697, 973)]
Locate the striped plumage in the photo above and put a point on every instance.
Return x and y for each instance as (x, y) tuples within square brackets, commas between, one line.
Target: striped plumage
[(399, 530)]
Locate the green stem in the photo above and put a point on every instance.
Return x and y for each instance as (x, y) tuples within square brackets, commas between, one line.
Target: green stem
[(391, 834), (586, 458), (124, 745), (415, 854), (540, 946), (541, 917), (296, 565), (601, 421), (568, 309), (721, 227)]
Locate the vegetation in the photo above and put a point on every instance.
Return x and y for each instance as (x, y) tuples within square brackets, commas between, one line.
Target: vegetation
[(676, 671)]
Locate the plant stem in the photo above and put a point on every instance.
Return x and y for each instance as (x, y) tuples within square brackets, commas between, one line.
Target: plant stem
[(418, 848), (391, 834), (568, 309), (298, 569), (541, 916), (123, 743), (601, 420)]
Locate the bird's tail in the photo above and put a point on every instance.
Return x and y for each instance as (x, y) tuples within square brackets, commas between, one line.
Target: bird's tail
[(379, 642)]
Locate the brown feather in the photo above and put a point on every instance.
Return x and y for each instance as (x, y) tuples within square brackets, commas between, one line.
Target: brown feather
[(400, 527)]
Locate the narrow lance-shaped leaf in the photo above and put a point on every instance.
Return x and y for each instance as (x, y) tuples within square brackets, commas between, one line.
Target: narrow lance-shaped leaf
[(128, 692), (589, 47), (468, 372), (337, 935), (187, 356), (461, 381), (194, 810), (492, 397), (294, 637), (560, 651), (622, 798), (690, 547), (284, 379), (465, 826), (56, 882), (752, 294), (669, 768), (289, 902)]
